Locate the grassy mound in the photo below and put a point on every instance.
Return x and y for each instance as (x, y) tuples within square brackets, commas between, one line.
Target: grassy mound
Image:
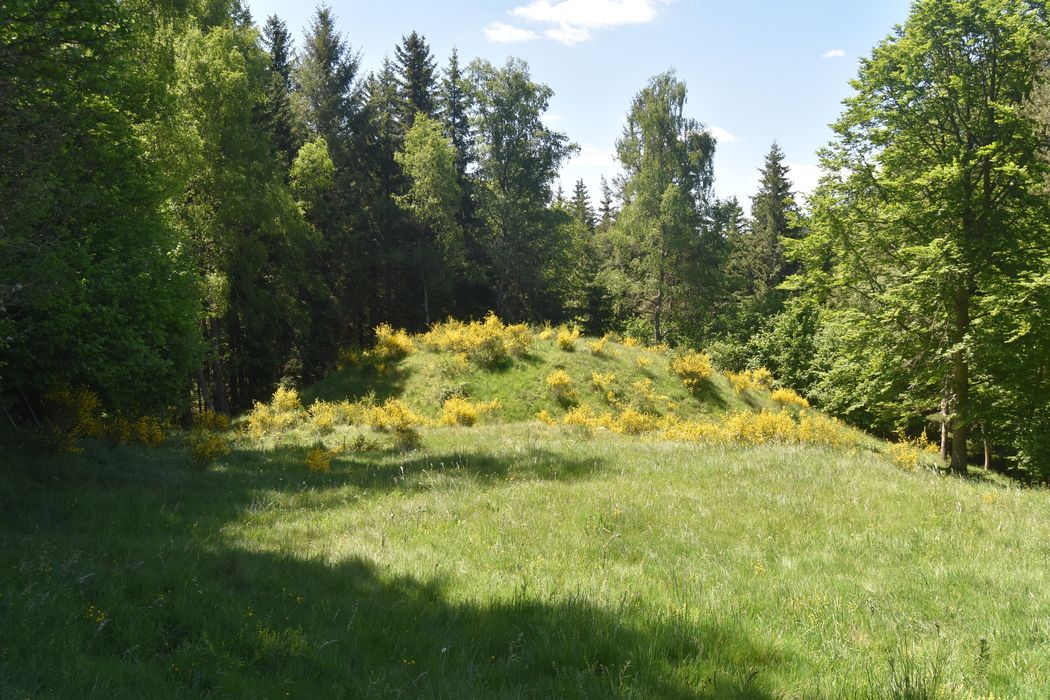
[(425, 378)]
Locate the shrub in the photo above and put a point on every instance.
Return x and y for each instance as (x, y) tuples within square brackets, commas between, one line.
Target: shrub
[(643, 397), (286, 400), (207, 447), (460, 411), (752, 379), (392, 344), (603, 381), (148, 431), (597, 347), (319, 460), (693, 368), (567, 338), (583, 417), (486, 343), (759, 428), (559, 385), (817, 429), (633, 422), (631, 342), (324, 416), (398, 419), (210, 420), (787, 397), (643, 362), (282, 413), (546, 418), (73, 414), (911, 453)]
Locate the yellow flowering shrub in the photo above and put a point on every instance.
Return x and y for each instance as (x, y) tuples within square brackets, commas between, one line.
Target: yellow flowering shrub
[(283, 412), (788, 397), (484, 343), (752, 379), (208, 446), (643, 362), (693, 368), (324, 416), (631, 342), (597, 347), (759, 428), (546, 418), (460, 411), (393, 416), (583, 417), (642, 396), (603, 381), (567, 338), (559, 385), (286, 400), (392, 344), (634, 422), (817, 429), (911, 453), (319, 460)]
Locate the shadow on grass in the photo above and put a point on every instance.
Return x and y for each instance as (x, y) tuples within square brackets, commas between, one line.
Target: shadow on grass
[(389, 469), (709, 394), (354, 383), (174, 609)]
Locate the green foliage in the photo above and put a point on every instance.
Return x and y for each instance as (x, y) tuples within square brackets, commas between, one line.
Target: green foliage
[(660, 263)]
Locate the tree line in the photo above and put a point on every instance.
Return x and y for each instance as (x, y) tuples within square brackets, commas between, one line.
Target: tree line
[(197, 208)]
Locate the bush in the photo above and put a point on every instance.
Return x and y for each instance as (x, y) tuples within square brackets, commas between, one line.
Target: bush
[(73, 414), (597, 347), (460, 411), (319, 460), (398, 419), (392, 344), (752, 379), (603, 381), (693, 368), (760, 428), (486, 343), (559, 385), (567, 338), (787, 397), (282, 413)]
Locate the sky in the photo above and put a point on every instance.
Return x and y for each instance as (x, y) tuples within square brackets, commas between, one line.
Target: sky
[(757, 71)]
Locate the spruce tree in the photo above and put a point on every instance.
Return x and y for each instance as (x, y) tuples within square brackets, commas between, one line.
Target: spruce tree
[(416, 79), (581, 207), (773, 218), (277, 116), (606, 208)]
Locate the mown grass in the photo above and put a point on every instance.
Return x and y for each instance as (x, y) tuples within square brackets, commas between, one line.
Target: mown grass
[(518, 561)]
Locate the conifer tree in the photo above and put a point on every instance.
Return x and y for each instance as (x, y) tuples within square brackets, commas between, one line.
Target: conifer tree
[(277, 106), (416, 79), (455, 112), (773, 219), (581, 206), (606, 208)]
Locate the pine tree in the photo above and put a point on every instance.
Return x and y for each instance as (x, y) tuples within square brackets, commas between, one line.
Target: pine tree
[(416, 79)]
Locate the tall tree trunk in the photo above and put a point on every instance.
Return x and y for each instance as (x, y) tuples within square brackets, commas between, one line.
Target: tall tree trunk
[(960, 380), (202, 385), (944, 429), (221, 404)]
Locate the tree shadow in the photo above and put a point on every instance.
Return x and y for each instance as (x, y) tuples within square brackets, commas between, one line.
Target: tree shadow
[(389, 468), (177, 607), (355, 383), (709, 395)]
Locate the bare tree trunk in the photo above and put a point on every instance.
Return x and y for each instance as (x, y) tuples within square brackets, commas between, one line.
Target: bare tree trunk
[(205, 395), (960, 381), (944, 429), (221, 403)]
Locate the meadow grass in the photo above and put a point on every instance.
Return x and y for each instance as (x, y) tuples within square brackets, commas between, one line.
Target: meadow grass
[(517, 561)]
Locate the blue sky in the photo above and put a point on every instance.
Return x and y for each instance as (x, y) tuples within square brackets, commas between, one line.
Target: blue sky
[(757, 70)]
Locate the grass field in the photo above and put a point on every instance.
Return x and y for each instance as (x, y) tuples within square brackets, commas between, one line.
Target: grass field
[(518, 559)]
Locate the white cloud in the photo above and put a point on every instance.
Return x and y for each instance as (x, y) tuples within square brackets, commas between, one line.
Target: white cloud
[(501, 33), (834, 53), (551, 118), (804, 177), (576, 20), (594, 157), (722, 135)]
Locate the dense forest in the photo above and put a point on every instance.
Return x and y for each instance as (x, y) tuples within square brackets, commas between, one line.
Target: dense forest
[(196, 208)]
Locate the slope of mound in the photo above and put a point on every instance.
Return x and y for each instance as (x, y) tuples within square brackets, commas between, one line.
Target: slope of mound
[(635, 375)]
